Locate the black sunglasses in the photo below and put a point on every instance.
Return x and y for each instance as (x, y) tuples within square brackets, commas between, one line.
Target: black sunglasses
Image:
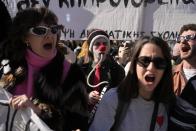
[(185, 38), (43, 30), (158, 62)]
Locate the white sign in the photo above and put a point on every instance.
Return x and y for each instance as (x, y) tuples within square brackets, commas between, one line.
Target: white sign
[(18, 120), (122, 19)]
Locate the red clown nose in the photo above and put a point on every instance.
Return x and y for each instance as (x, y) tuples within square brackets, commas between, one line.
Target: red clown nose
[(102, 47)]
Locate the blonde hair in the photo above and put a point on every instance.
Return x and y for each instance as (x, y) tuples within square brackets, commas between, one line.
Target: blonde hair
[(84, 52)]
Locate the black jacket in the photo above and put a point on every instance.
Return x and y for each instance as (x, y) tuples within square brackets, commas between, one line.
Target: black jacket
[(183, 116), (5, 21), (66, 101), (111, 71), (69, 101)]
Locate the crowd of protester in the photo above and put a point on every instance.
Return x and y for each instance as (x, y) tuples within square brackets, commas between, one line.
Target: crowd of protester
[(98, 84)]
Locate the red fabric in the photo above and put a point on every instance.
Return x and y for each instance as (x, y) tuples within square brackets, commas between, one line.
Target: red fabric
[(97, 77), (160, 120)]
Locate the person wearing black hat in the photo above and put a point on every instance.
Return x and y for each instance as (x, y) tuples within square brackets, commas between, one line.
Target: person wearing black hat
[(102, 71)]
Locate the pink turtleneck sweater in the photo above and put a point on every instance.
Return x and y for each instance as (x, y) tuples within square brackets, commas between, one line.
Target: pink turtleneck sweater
[(35, 63)]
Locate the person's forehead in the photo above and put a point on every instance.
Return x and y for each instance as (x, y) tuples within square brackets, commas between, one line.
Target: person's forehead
[(100, 40), (188, 32), (151, 49)]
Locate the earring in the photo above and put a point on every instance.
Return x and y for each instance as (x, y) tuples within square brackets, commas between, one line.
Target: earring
[(27, 44)]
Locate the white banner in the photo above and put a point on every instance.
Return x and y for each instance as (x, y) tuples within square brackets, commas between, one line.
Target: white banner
[(122, 19), (18, 120)]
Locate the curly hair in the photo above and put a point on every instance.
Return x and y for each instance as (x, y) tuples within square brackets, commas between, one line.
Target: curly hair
[(14, 48)]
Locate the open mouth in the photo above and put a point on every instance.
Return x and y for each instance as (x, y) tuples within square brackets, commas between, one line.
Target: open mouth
[(48, 46), (150, 78), (185, 49)]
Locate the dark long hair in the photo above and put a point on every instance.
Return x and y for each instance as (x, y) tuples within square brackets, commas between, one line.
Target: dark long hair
[(128, 89), (5, 21), (24, 20), (15, 47)]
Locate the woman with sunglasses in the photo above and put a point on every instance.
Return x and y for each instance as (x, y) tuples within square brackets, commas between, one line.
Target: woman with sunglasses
[(142, 100), (37, 74)]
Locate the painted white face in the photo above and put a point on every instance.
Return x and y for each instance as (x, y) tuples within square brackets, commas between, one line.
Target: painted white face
[(100, 47), (187, 47), (42, 40), (148, 69)]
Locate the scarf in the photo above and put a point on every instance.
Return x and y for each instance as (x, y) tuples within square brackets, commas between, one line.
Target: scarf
[(35, 63)]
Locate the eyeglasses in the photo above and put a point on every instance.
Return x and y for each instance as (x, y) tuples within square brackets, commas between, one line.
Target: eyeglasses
[(158, 62), (185, 38), (43, 30)]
